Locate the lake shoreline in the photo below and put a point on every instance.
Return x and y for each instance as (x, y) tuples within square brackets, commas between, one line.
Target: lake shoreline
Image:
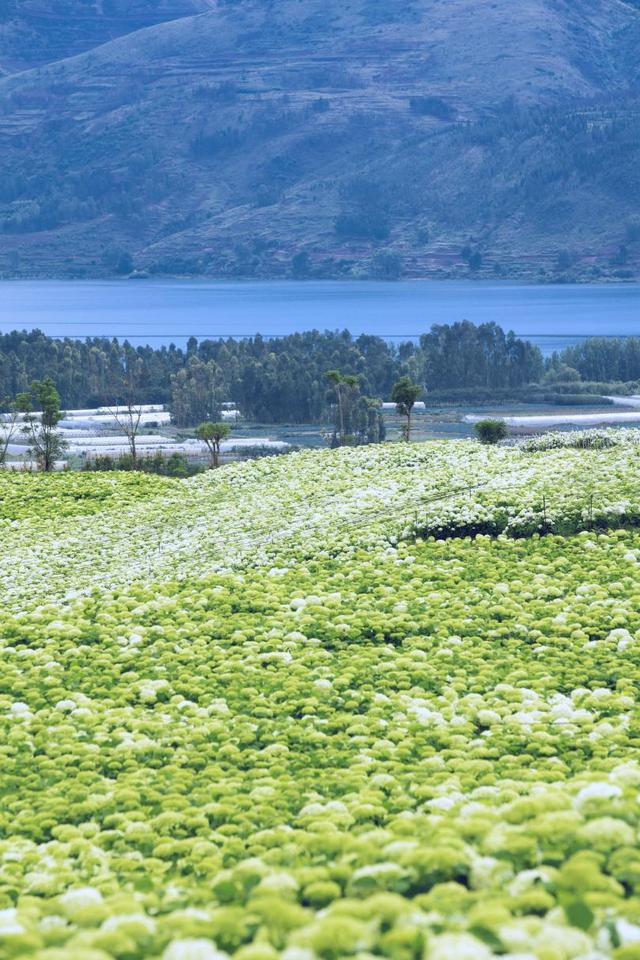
[(161, 311), (523, 280)]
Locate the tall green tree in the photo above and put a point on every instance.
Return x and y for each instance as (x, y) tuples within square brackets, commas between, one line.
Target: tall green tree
[(46, 443), (346, 386), (405, 394), (369, 421), (212, 435), (196, 392)]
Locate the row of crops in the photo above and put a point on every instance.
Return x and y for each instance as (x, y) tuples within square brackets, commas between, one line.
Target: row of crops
[(252, 715)]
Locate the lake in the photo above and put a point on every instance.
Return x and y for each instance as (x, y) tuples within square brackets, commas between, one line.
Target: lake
[(169, 311)]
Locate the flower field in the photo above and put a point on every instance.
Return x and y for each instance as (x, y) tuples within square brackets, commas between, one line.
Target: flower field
[(29, 495), (250, 715), (305, 505)]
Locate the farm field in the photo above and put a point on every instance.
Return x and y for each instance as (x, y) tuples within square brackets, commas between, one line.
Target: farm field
[(373, 702)]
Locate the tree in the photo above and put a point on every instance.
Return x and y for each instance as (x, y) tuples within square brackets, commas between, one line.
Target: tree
[(345, 384), (212, 435), (129, 418), (491, 431), (404, 394), (125, 263), (386, 265), (370, 426), (559, 372), (300, 264), (463, 355), (365, 214), (45, 443), (196, 392), (473, 257), (9, 426)]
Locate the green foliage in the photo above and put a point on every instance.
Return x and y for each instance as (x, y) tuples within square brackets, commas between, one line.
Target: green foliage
[(196, 391), (46, 444), (491, 431), (365, 213), (300, 264), (357, 419), (212, 434), (224, 164), (340, 741), (386, 265), (605, 358), (464, 355), (25, 495), (279, 380), (405, 394), (577, 440), (10, 425), (174, 465), (63, 28), (558, 372), (472, 257)]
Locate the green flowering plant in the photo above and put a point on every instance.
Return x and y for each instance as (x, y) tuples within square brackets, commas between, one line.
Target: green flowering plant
[(254, 715)]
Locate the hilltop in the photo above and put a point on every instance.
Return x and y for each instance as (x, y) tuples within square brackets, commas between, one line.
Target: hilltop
[(366, 137)]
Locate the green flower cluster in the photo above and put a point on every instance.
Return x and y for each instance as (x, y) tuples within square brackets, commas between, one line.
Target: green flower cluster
[(347, 746), (62, 495)]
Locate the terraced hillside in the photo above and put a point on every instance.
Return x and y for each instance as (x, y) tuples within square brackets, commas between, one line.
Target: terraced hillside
[(367, 137), (34, 32), (282, 725)]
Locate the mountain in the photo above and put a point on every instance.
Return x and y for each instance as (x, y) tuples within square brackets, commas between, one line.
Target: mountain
[(33, 32), (333, 138)]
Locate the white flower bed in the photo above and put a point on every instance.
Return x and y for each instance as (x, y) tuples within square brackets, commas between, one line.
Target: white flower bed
[(318, 504)]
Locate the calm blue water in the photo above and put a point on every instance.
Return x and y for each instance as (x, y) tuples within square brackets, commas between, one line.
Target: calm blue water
[(166, 311)]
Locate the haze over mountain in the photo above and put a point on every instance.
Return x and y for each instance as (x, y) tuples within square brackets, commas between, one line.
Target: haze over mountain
[(333, 138)]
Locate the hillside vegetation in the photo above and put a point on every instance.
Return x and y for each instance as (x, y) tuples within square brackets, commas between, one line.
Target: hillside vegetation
[(251, 715), (355, 138), (34, 32)]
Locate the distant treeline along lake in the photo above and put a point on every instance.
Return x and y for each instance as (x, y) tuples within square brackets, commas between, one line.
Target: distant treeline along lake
[(284, 380)]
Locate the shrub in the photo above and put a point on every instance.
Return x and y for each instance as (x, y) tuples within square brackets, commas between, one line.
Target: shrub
[(491, 431), (175, 465)]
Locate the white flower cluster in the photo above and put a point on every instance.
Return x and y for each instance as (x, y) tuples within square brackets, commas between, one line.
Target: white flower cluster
[(310, 505), (595, 439)]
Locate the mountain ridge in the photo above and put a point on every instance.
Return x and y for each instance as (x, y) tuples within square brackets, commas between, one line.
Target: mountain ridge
[(36, 32), (333, 139)]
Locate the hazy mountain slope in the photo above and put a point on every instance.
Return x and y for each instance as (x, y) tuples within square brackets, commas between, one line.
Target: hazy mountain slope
[(332, 137), (34, 32)]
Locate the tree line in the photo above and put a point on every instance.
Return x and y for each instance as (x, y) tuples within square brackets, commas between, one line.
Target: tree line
[(270, 380), (603, 359)]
